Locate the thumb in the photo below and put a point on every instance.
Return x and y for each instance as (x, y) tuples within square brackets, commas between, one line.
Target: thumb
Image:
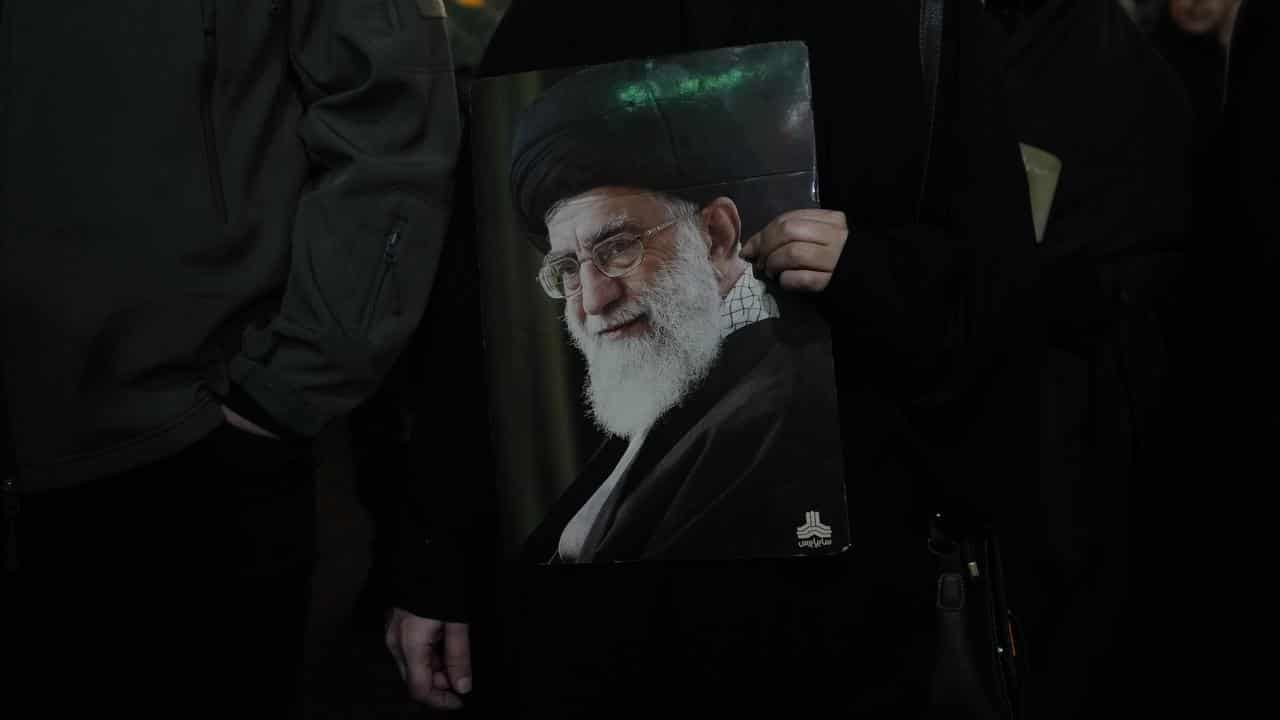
[(750, 247), (457, 656)]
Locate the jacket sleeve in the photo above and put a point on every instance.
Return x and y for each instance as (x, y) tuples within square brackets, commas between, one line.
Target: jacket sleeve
[(381, 129), (447, 521)]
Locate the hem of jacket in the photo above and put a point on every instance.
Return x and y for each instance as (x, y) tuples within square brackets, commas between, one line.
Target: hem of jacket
[(239, 401), (276, 397), (195, 423)]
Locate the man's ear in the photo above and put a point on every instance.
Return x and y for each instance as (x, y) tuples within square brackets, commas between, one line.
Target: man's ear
[(724, 228)]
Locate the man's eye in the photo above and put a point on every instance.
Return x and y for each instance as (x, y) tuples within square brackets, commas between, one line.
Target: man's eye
[(611, 247)]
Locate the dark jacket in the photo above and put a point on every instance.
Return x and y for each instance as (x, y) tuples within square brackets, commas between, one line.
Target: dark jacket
[(206, 202)]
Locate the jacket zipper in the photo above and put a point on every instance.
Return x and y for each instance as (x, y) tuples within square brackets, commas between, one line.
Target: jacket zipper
[(12, 504), (209, 14), (390, 260)]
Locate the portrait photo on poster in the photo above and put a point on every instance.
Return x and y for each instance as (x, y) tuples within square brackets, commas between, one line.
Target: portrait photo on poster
[(653, 396)]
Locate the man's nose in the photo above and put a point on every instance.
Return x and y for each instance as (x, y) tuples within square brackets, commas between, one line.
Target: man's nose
[(599, 291)]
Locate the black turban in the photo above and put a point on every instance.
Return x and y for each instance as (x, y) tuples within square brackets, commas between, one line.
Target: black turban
[(734, 122)]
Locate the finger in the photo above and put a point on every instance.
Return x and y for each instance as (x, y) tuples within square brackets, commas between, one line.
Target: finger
[(421, 639), (821, 215), (749, 247), (800, 256), (417, 639), (441, 697), (804, 280), (833, 218), (457, 656), (432, 687), (786, 230)]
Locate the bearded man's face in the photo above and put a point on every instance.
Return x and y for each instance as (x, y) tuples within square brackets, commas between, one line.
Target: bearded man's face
[(651, 335)]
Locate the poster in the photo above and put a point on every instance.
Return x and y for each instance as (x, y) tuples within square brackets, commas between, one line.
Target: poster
[(652, 395)]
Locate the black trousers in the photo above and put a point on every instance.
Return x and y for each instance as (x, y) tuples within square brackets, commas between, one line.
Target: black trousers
[(178, 589)]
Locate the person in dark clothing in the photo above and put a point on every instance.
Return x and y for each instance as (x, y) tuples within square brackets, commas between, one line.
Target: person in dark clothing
[(1236, 256), (1231, 428), (929, 304), (222, 221), (1087, 87), (1249, 157), (1192, 36), (1250, 153)]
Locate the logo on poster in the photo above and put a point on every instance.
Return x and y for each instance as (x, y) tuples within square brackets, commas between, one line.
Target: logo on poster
[(813, 533)]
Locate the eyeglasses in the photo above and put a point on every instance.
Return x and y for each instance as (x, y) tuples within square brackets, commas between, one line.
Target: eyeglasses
[(615, 256)]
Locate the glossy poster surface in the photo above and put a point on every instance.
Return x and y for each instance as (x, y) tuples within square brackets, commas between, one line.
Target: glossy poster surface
[(653, 396)]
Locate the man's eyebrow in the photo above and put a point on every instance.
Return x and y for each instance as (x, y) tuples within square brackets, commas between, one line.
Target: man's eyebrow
[(612, 227)]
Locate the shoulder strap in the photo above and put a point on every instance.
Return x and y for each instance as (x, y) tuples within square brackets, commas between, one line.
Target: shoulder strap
[(931, 16)]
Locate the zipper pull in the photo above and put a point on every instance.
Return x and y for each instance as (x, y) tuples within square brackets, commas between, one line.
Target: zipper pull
[(11, 506), (390, 255)]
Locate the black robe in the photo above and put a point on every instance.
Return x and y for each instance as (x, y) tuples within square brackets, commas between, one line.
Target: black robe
[(732, 471), (1085, 85)]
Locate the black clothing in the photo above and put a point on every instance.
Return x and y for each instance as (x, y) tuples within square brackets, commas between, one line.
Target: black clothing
[(1086, 86), (178, 589), (732, 471)]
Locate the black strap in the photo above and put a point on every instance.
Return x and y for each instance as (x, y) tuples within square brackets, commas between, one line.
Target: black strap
[(931, 16)]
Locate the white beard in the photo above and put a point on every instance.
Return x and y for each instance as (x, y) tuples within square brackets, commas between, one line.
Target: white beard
[(632, 381)]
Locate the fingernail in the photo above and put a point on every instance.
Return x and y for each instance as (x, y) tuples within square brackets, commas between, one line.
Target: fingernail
[(463, 686)]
